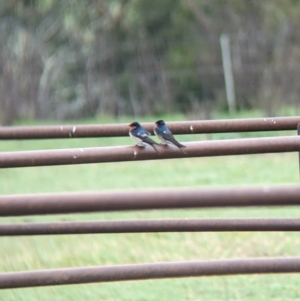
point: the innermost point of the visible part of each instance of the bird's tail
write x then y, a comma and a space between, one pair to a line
154, 147
181, 148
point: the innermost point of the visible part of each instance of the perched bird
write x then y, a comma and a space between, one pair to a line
141, 136
165, 135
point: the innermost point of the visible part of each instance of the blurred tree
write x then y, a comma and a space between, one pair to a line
73, 58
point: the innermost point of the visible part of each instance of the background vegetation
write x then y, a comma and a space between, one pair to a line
73, 58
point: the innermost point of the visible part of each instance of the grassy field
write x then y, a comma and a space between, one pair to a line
26, 253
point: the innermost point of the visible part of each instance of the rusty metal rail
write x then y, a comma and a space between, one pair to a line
149, 271
182, 127
143, 226
135, 153
16, 205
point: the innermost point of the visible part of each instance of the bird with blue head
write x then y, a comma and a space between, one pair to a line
165, 135
141, 136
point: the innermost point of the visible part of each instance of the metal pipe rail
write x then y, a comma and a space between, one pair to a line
149, 271
31, 204
181, 127
150, 226
135, 153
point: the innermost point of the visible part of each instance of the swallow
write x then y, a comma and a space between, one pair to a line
166, 136
141, 136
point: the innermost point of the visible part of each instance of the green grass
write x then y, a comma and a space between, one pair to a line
26, 253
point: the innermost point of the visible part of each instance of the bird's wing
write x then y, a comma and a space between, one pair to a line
162, 130
143, 136
170, 138
148, 140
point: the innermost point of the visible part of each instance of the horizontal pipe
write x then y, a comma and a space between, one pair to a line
149, 271
136, 153
143, 226
179, 127
16, 205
